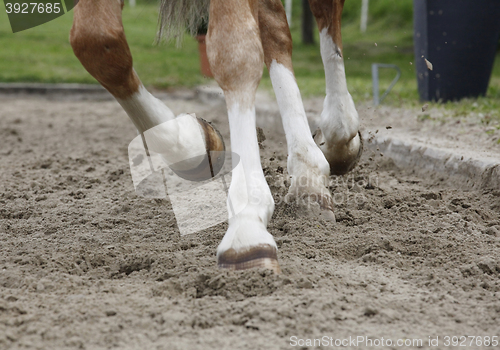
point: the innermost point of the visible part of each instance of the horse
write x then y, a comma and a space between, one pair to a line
242, 36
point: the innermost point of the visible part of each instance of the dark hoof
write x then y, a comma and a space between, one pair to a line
261, 256
210, 163
339, 165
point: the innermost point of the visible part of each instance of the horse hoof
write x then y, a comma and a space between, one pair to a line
314, 206
341, 159
261, 256
210, 163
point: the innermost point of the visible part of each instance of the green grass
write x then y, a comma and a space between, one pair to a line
43, 54
360, 51
390, 25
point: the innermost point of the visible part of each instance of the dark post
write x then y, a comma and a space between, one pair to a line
459, 38
307, 23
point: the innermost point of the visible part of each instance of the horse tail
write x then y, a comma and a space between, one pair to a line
180, 16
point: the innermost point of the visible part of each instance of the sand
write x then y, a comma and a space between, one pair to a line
85, 263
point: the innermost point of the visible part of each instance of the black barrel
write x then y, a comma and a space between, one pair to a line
459, 38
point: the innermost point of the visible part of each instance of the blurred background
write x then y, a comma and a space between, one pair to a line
43, 54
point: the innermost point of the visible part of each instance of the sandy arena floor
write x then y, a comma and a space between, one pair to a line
85, 263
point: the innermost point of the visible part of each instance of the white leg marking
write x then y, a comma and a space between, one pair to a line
339, 119
177, 139
145, 110
306, 163
249, 193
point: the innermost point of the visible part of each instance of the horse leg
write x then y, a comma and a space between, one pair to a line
236, 58
339, 136
99, 42
307, 165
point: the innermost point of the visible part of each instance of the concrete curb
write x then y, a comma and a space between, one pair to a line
207, 93
465, 168
43, 89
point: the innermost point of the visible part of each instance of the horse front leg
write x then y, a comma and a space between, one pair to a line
236, 57
307, 166
99, 42
338, 136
